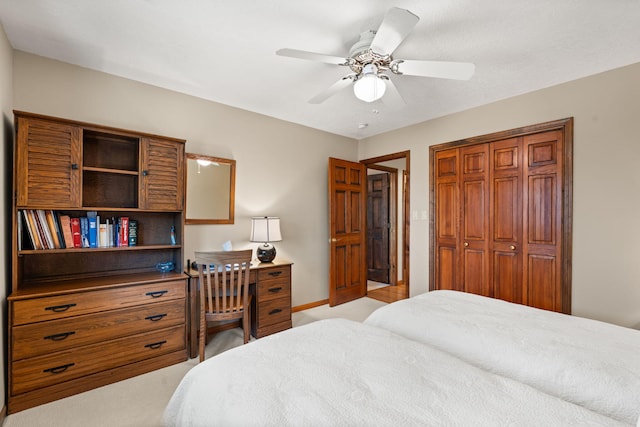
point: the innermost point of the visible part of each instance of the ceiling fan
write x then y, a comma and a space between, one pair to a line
370, 61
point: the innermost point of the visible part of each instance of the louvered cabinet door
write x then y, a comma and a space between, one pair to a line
162, 185
47, 165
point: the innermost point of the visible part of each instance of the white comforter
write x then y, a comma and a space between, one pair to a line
338, 372
591, 363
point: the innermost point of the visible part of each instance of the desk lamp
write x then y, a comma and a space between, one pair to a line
265, 229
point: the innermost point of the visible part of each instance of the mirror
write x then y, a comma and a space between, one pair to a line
210, 197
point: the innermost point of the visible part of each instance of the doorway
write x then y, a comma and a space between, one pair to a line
388, 226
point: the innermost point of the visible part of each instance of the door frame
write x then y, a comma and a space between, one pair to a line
370, 163
563, 125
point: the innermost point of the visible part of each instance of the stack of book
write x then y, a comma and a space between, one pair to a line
48, 229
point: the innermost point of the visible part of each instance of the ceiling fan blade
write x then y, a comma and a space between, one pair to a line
439, 69
332, 90
312, 56
392, 97
395, 27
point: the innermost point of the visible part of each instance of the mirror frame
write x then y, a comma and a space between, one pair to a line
232, 189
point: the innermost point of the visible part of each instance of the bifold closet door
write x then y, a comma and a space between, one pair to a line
498, 219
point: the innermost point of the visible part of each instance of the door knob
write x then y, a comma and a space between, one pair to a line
333, 240
466, 244
512, 247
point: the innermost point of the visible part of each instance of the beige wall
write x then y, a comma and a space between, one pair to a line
6, 136
606, 226
281, 167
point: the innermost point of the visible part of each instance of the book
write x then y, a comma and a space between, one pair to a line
30, 231
92, 220
53, 229
133, 232
41, 226
84, 231
103, 237
76, 232
65, 226
124, 231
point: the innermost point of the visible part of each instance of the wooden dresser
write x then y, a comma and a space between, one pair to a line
83, 317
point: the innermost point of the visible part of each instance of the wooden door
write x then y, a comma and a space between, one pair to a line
347, 229
501, 215
543, 221
48, 164
162, 185
474, 202
506, 219
447, 220
378, 227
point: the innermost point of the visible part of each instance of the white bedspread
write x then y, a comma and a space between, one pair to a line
338, 372
591, 363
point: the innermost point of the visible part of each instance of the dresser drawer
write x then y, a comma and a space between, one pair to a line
48, 337
42, 371
62, 306
274, 273
274, 311
273, 289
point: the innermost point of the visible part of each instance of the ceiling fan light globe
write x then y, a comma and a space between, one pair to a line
369, 88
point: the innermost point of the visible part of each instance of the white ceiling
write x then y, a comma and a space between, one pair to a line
224, 51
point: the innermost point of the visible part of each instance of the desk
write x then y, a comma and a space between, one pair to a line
270, 285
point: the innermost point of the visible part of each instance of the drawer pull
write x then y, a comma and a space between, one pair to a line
58, 337
275, 311
59, 369
275, 273
274, 290
156, 294
156, 345
155, 317
60, 308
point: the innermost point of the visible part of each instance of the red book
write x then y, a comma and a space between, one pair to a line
124, 231
75, 232
65, 224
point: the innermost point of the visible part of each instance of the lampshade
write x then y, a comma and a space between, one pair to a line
369, 87
265, 229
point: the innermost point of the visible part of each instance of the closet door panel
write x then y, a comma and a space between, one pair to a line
475, 219
447, 218
506, 219
543, 220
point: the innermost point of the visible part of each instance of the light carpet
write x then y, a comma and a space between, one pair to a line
140, 401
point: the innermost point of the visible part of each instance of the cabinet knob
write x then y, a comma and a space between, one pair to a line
74, 166
466, 244
145, 172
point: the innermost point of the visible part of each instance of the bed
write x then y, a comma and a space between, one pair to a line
590, 363
338, 372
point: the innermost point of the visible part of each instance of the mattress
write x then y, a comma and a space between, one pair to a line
587, 362
338, 372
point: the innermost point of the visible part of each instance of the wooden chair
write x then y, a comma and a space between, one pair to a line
224, 290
